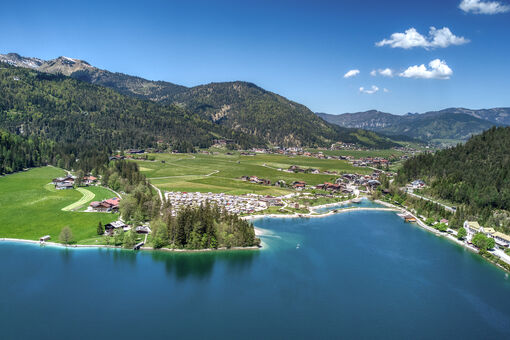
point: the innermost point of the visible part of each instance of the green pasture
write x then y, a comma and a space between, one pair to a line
222, 172
31, 207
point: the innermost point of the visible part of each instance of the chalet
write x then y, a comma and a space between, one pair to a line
108, 205
418, 184
100, 206
68, 179
295, 168
502, 240
444, 221
312, 171
88, 180
64, 185
143, 229
110, 227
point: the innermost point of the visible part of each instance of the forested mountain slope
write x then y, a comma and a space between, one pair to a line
237, 106
66, 110
476, 174
454, 124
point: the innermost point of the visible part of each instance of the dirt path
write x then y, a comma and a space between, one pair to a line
87, 196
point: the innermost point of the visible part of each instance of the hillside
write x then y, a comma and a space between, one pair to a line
476, 174
66, 110
82, 70
435, 126
239, 107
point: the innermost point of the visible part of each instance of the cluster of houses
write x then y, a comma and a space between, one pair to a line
68, 182
234, 204
348, 182
109, 205
417, 184
370, 161
472, 228
298, 169
110, 228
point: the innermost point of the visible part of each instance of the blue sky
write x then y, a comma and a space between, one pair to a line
299, 49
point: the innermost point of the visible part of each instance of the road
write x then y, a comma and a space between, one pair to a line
433, 201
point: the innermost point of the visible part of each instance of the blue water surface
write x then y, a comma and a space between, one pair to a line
363, 274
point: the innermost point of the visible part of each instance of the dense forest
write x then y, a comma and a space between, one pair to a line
248, 108
18, 153
241, 111
66, 110
205, 226
475, 174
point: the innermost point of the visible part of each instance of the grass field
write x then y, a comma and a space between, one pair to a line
31, 207
222, 172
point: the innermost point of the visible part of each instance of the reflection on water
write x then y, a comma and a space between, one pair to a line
201, 265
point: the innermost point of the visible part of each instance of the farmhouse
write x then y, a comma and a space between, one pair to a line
143, 229
108, 205
299, 185
64, 185
110, 227
88, 180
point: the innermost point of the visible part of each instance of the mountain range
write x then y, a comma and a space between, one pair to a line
454, 124
234, 110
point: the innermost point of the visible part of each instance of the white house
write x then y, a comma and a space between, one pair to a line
472, 227
502, 240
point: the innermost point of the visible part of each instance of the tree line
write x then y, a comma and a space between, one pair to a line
474, 175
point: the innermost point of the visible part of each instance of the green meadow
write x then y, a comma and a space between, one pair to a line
222, 172
31, 207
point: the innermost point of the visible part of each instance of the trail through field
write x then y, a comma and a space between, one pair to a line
87, 196
210, 174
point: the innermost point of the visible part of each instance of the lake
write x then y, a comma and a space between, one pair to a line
364, 203
362, 274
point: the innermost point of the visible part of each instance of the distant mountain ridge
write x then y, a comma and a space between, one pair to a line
242, 107
447, 124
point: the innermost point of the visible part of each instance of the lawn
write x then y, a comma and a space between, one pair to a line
31, 208
222, 172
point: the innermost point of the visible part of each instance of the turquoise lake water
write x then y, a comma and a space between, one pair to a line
365, 203
363, 274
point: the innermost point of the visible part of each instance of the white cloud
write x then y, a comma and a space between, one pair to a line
483, 7
412, 38
351, 73
386, 90
387, 72
437, 70
371, 90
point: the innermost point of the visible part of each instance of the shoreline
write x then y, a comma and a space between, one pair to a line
261, 232
104, 246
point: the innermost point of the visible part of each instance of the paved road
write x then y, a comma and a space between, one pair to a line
431, 200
